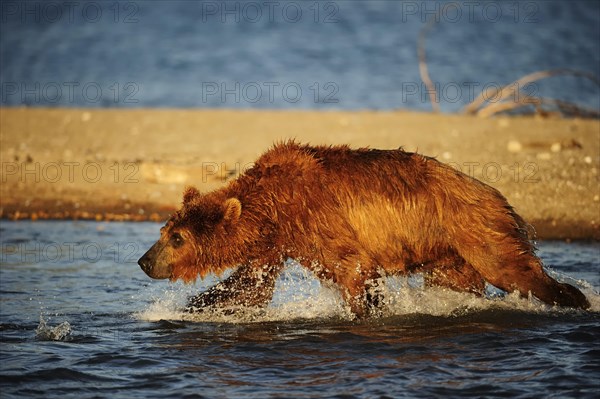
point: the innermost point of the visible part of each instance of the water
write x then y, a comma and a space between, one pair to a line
78, 318
289, 54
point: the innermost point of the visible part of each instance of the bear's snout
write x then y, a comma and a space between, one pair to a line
152, 264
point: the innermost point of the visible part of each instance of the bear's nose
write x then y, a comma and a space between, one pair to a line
145, 264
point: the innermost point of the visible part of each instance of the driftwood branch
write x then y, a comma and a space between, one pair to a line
509, 97
423, 70
564, 106
513, 89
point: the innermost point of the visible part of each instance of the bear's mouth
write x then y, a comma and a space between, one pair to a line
162, 273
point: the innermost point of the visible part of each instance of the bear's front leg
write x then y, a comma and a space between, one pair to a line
248, 286
365, 297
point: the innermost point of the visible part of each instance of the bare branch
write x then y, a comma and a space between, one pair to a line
513, 88
564, 106
423, 70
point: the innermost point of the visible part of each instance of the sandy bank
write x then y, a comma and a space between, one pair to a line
133, 164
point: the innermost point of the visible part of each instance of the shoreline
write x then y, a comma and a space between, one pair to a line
133, 164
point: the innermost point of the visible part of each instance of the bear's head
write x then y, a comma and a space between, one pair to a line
198, 239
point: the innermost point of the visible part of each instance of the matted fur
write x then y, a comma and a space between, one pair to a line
352, 216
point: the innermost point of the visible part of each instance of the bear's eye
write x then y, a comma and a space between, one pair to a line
176, 240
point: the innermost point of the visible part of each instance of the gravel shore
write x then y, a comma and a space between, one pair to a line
133, 164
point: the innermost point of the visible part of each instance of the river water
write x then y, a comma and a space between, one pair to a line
291, 53
79, 318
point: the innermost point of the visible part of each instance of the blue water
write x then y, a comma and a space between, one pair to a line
78, 318
289, 54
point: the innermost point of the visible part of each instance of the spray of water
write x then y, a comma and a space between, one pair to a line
300, 295
44, 332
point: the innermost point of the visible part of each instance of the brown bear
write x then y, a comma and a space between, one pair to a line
352, 217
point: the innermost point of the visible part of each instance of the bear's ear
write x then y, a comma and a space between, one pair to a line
189, 194
233, 210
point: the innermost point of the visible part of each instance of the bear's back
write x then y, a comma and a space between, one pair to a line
337, 159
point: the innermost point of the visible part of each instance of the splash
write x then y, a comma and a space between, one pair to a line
300, 295
592, 296
61, 332
167, 306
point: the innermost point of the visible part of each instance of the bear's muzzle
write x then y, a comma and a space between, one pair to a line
152, 265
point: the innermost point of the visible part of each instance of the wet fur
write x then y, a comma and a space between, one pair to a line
353, 216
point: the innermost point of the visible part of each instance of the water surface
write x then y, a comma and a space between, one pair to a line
78, 318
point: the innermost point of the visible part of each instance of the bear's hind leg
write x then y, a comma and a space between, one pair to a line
248, 286
454, 273
511, 265
535, 280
